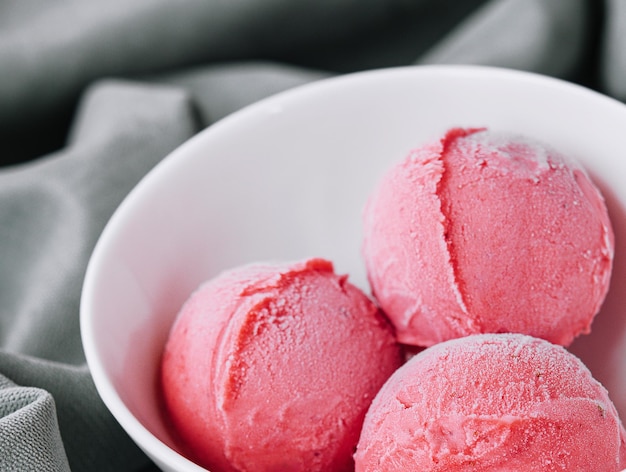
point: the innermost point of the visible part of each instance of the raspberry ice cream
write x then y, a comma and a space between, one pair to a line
272, 367
492, 402
487, 232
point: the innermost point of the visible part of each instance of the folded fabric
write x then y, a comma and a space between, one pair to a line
94, 94
29, 436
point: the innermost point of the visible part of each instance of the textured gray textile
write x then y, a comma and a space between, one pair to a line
94, 94
29, 434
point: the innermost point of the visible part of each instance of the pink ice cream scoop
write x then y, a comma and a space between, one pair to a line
272, 367
487, 232
492, 402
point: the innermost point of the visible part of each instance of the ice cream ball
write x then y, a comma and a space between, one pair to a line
492, 402
272, 367
487, 232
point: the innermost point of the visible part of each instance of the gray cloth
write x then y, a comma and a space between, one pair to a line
94, 94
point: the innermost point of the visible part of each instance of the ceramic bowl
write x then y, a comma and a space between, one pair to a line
286, 178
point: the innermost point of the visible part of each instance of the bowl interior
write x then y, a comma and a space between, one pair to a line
287, 178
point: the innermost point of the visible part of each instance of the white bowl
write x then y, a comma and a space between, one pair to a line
286, 178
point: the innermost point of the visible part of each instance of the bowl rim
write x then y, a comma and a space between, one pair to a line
147, 441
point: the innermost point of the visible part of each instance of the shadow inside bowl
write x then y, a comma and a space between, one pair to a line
604, 350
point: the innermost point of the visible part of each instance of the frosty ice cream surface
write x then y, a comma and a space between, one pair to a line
272, 367
496, 402
486, 232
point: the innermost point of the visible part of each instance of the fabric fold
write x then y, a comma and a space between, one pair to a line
544, 36
613, 57
29, 433
84, 430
